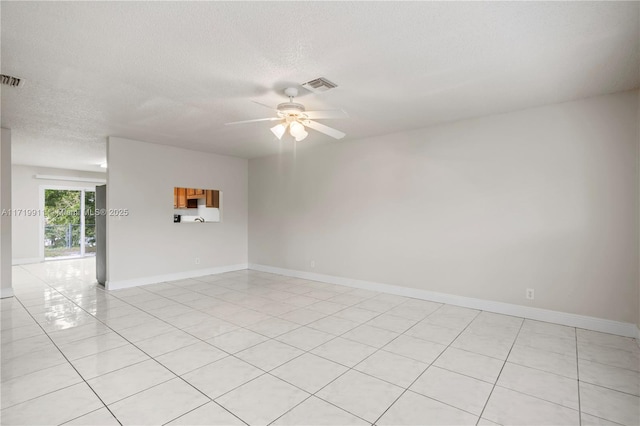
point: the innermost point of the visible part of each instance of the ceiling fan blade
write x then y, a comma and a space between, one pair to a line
266, 106
252, 121
319, 115
324, 129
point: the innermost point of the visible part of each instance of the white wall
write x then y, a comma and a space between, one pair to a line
544, 198
26, 195
146, 246
5, 219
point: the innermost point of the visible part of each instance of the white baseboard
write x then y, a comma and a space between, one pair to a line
6, 292
135, 282
26, 261
557, 317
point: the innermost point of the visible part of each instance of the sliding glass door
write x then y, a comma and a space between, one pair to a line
69, 223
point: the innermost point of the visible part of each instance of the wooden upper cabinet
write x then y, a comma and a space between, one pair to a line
194, 193
187, 198
181, 198
181, 201
212, 198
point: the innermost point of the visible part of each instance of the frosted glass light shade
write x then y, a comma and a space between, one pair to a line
279, 130
302, 136
296, 129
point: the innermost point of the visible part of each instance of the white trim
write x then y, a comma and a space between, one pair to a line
135, 282
70, 178
89, 188
6, 292
26, 261
547, 315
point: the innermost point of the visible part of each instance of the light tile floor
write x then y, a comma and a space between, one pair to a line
256, 348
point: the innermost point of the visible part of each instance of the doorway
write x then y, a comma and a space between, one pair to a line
68, 229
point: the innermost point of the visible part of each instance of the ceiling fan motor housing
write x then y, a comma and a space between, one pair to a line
290, 108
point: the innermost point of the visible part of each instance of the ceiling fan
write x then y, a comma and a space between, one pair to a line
294, 116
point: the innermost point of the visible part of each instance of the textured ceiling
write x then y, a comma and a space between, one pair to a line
175, 72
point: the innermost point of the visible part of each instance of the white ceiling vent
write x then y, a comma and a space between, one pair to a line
8, 80
319, 85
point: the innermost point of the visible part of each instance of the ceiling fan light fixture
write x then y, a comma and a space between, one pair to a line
294, 116
296, 129
301, 136
279, 130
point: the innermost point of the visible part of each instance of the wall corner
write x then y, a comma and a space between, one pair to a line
5, 215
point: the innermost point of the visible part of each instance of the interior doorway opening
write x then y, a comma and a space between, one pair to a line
68, 225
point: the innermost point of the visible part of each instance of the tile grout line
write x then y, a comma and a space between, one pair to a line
382, 349
612, 366
168, 319
268, 372
77, 372
348, 368
233, 354
200, 406
608, 388
579, 410
230, 354
133, 344
500, 373
429, 366
49, 393
86, 414
578, 379
548, 372
158, 362
177, 376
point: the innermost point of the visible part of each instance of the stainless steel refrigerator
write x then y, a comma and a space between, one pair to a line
101, 234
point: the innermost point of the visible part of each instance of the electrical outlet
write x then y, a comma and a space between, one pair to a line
197, 260
313, 263
530, 294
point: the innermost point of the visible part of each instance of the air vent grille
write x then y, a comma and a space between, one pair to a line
319, 85
8, 80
